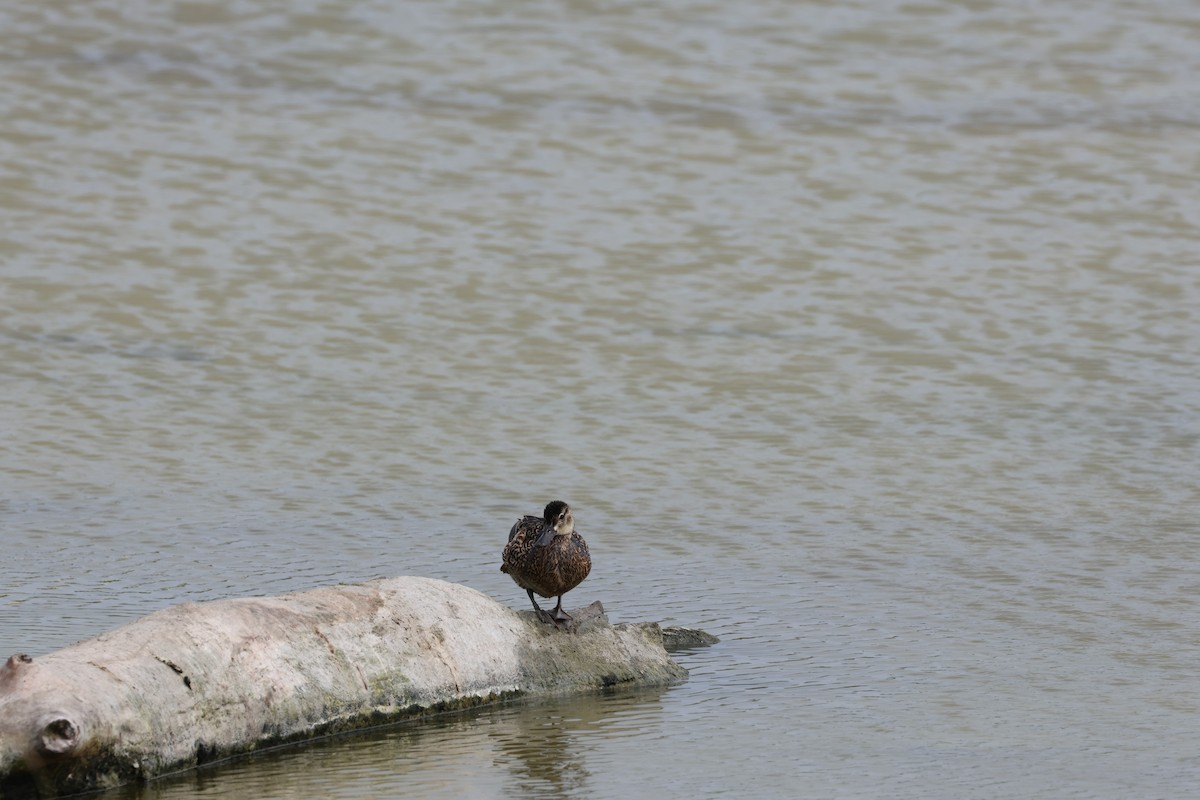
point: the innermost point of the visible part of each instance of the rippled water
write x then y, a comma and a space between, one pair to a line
862, 335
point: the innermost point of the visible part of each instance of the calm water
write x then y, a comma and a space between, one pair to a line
863, 335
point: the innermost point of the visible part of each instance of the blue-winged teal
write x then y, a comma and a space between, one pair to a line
546, 555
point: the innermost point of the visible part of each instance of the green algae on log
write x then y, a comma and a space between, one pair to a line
204, 681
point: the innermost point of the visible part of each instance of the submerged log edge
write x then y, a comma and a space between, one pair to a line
201, 682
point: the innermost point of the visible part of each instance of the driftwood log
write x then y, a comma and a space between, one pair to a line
205, 681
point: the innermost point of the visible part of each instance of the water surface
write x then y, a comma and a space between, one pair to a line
862, 335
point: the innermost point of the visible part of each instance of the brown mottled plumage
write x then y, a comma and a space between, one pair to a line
547, 556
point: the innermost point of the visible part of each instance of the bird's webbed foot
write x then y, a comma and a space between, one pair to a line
562, 618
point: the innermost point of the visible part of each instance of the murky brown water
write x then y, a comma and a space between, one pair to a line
862, 335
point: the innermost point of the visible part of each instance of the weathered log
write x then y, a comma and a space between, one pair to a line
199, 682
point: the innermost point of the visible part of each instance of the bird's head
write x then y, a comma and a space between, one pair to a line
558, 516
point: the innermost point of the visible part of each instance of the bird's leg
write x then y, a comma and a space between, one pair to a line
559, 614
542, 613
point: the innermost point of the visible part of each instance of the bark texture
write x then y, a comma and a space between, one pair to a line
198, 682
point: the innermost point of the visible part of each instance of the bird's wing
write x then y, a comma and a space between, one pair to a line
524, 522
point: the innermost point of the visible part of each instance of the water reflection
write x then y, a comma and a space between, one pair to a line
538, 750
541, 753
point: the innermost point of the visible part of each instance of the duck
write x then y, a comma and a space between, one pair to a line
547, 555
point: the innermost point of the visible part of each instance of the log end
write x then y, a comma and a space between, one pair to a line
676, 639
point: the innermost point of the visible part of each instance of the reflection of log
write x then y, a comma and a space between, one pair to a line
202, 681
